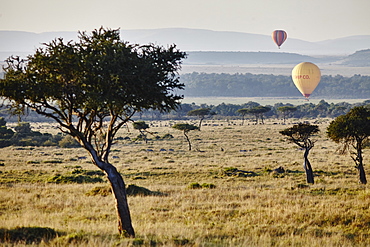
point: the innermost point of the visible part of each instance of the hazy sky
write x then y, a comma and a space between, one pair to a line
310, 20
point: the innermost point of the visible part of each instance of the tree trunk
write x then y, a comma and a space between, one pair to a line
308, 168
120, 196
187, 138
200, 123
362, 174
359, 164
119, 192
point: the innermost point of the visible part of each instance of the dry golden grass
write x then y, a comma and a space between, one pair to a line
262, 208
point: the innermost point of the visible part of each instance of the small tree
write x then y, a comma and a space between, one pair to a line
23, 129
92, 88
185, 128
257, 111
141, 126
352, 130
201, 114
243, 112
300, 135
286, 110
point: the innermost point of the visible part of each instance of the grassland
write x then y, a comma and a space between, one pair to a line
223, 193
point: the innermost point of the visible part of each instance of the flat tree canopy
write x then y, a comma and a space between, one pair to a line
91, 88
201, 113
300, 134
185, 128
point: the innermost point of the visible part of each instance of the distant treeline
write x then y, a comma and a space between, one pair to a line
251, 85
308, 110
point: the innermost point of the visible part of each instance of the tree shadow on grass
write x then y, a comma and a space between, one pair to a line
131, 190
27, 235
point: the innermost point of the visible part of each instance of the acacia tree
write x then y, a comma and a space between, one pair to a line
201, 114
141, 126
257, 111
185, 128
286, 110
243, 112
300, 135
352, 129
92, 88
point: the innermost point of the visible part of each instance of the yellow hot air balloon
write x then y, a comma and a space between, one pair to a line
306, 76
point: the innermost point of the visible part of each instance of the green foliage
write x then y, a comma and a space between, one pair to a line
140, 125
257, 111
185, 127
27, 235
201, 113
287, 108
351, 127
300, 134
195, 185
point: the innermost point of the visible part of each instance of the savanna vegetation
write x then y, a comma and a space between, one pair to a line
234, 184
242, 185
281, 111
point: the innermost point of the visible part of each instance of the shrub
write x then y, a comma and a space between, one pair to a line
208, 186
134, 190
201, 186
68, 142
195, 186
100, 190
167, 136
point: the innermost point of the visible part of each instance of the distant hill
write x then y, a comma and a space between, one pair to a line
215, 47
223, 58
359, 58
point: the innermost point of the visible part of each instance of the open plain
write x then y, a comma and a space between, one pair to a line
225, 192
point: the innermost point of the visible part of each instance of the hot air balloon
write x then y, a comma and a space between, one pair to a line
306, 76
279, 36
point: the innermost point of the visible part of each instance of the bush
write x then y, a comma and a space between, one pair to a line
134, 190
201, 186
167, 136
195, 186
68, 142
100, 190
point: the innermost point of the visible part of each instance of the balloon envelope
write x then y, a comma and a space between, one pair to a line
306, 76
279, 36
